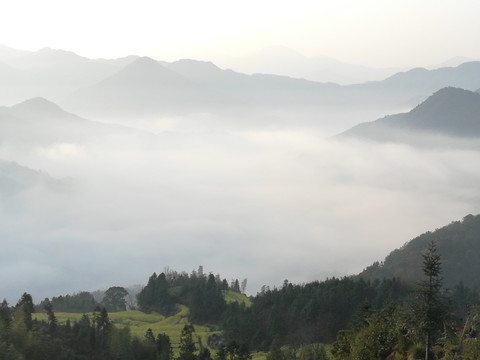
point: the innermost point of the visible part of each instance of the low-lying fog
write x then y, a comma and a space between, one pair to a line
264, 204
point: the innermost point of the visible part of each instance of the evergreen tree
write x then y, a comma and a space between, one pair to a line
149, 337
52, 320
164, 347
204, 354
431, 310
26, 303
187, 345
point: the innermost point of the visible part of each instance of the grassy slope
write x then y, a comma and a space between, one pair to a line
231, 296
140, 322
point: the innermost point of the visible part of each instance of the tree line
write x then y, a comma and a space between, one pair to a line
427, 326
363, 319
94, 337
203, 294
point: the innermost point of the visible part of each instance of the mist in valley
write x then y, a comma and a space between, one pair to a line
253, 140
262, 201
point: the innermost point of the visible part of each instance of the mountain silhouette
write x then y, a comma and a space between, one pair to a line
458, 243
15, 178
39, 121
450, 111
39, 107
134, 87
143, 87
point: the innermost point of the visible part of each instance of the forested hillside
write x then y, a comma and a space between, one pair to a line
459, 244
450, 111
201, 293
406, 287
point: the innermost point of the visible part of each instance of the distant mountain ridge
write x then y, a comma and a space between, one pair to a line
15, 178
283, 61
142, 87
192, 86
42, 107
39, 121
458, 243
449, 111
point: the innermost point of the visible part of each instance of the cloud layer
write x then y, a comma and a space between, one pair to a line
266, 205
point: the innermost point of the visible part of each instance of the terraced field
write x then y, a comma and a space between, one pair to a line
140, 322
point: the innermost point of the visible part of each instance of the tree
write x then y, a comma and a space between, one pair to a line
149, 337
102, 328
275, 352
52, 320
164, 347
187, 345
204, 354
26, 303
236, 351
235, 286
5, 320
114, 299
431, 310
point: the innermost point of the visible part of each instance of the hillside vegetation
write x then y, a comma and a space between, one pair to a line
139, 322
450, 111
397, 307
459, 244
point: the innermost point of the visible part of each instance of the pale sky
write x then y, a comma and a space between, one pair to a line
234, 193
373, 32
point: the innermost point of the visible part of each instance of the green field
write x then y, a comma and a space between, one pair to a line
140, 322
232, 296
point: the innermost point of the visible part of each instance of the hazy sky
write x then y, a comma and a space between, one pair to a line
371, 32
262, 203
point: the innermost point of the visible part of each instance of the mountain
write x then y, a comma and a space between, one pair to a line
411, 87
195, 69
40, 107
143, 87
133, 88
150, 88
15, 178
283, 61
458, 243
10, 54
452, 62
38, 121
450, 112
464, 76
51, 73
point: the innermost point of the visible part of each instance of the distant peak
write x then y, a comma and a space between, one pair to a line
144, 63
146, 68
193, 61
450, 110
145, 60
37, 101
447, 96
45, 49
47, 55
39, 105
48, 50
194, 68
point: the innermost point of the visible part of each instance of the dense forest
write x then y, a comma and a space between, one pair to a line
93, 337
459, 244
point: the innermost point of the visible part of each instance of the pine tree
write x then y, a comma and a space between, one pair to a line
164, 347
187, 345
431, 309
